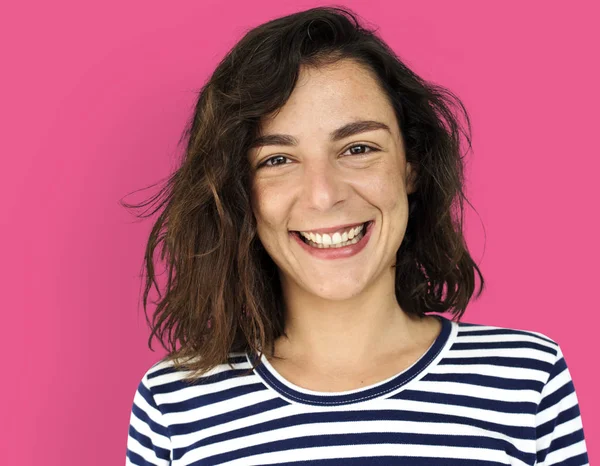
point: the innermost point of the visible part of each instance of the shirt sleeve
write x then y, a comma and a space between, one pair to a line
559, 429
148, 440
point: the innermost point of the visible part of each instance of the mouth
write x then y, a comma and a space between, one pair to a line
339, 239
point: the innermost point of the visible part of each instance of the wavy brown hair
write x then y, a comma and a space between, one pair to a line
222, 291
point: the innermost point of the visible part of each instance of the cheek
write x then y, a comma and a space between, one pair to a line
269, 210
385, 188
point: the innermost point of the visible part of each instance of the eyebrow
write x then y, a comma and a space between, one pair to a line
345, 131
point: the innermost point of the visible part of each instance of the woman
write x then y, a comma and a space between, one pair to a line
311, 230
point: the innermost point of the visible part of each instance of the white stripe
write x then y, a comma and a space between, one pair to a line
557, 382
504, 338
151, 411
503, 353
551, 412
332, 428
478, 391
134, 446
358, 451
560, 430
558, 456
143, 428
191, 391
218, 408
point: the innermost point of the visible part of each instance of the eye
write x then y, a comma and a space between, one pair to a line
371, 149
273, 161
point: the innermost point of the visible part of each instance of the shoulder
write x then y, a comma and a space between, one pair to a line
482, 332
165, 382
510, 350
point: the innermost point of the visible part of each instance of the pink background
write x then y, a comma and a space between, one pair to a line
95, 97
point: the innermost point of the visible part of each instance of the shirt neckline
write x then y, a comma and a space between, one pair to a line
296, 394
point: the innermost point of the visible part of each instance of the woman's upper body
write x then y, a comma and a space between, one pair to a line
316, 222
478, 395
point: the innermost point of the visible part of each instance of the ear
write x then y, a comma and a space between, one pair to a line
411, 179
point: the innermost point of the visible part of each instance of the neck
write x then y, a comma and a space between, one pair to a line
328, 335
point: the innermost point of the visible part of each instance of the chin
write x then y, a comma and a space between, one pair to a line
335, 291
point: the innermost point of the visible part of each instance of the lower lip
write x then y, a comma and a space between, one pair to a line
337, 253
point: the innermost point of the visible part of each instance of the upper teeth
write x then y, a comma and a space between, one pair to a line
336, 238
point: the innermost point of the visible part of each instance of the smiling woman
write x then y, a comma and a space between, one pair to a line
311, 233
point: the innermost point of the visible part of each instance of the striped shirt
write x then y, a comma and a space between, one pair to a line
480, 395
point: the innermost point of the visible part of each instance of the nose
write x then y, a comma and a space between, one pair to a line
323, 185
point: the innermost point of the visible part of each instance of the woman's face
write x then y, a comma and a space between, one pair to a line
321, 177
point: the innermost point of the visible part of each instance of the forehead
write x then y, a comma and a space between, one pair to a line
328, 97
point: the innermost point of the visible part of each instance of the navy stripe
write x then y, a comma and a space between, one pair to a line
134, 458
503, 345
561, 442
524, 363
143, 416
147, 442
209, 379
230, 416
564, 416
211, 398
486, 381
506, 407
354, 416
367, 438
